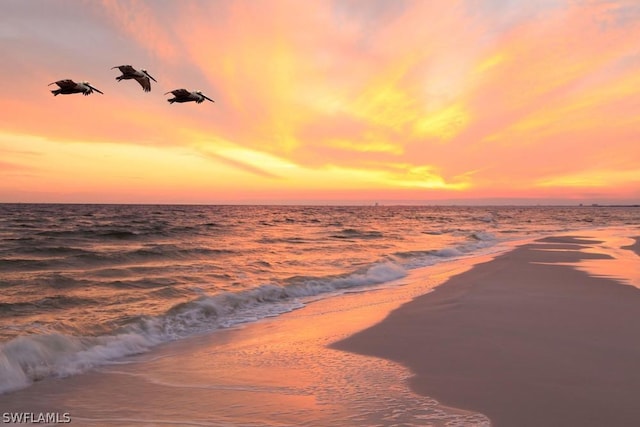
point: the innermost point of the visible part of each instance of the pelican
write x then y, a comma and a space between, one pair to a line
142, 77
68, 86
183, 95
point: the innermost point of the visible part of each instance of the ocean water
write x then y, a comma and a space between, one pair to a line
86, 285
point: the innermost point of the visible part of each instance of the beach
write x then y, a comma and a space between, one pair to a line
320, 213
525, 339
533, 332
277, 372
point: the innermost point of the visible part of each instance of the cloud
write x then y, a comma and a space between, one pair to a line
311, 90
594, 179
247, 167
10, 166
147, 24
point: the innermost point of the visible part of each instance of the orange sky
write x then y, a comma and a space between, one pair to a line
340, 101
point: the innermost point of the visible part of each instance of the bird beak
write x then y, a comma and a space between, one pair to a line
97, 90
149, 75
206, 97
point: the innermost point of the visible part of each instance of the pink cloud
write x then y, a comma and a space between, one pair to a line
508, 93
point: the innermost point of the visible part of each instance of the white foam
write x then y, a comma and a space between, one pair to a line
447, 252
484, 236
30, 358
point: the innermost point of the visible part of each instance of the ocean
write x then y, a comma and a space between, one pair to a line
85, 286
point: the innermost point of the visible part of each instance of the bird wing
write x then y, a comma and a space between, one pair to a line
65, 84
126, 69
144, 82
181, 93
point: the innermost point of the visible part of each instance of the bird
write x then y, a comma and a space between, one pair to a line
183, 95
142, 76
68, 86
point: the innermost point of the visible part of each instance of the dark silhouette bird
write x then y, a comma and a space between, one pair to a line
183, 95
142, 77
68, 86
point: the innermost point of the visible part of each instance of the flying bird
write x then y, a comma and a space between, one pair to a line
68, 86
142, 77
183, 95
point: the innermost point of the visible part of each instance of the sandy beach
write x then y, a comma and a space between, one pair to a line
525, 339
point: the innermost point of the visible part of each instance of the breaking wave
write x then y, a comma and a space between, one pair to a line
30, 358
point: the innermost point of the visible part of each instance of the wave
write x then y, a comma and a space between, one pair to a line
126, 229
91, 233
291, 240
71, 258
352, 233
22, 264
146, 283
46, 303
26, 359
58, 280
476, 241
50, 251
131, 264
483, 236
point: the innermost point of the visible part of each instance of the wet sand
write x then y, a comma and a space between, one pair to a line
525, 339
635, 247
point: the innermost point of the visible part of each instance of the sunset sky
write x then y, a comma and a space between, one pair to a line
470, 101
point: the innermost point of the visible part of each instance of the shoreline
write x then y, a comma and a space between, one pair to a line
288, 370
634, 247
524, 338
276, 371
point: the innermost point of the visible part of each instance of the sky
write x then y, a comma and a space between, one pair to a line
332, 101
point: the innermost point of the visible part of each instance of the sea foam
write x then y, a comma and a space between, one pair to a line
30, 358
